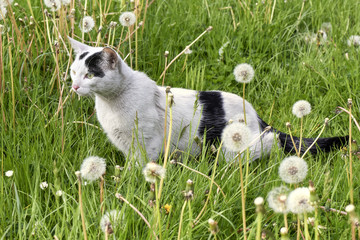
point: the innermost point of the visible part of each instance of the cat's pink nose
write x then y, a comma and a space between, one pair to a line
75, 87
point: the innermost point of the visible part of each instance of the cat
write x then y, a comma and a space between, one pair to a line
123, 95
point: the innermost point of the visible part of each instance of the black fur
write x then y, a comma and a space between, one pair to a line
213, 115
83, 55
322, 144
93, 63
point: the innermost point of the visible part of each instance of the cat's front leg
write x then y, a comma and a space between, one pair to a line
153, 147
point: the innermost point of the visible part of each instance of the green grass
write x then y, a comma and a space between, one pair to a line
41, 146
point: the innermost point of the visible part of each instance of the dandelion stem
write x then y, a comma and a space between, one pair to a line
202, 174
162, 84
298, 228
12, 83
317, 138
244, 103
272, 11
181, 219
242, 198
350, 155
292, 139
165, 117
258, 225
211, 183
120, 197
144, 19
247, 169
82, 209
83, 23
316, 224
302, 9
301, 130
167, 150
157, 202
130, 49
102, 194
129, 35
353, 118
286, 221
182, 52
333, 210
307, 235
353, 231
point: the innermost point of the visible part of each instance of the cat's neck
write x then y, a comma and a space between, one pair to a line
135, 86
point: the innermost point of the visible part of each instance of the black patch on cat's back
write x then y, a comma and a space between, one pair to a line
213, 115
83, 55
93, 63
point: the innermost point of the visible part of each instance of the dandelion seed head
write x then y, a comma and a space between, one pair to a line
109, 221
353, 40
2, 28
326, 27
301, 108
322, 37
112, 24
3, 12
283, 231
298, 201
54, 5
244, 73
350, 208
5, 3
87, 24
277, 199
214, 228
65, 2
188, 51
127, 19
44, 185
236, 136
293, 169
59, 193
238, 118
211, 221
259, 201
9, 173
153, 171
310, 38
221, 50
93, 168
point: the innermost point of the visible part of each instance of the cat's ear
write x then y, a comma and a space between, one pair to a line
111, 57
78, 46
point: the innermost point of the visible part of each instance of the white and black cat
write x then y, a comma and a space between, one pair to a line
122, 95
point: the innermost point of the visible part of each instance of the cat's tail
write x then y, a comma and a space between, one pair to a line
322, 144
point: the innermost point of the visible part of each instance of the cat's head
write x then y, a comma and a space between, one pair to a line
97, 70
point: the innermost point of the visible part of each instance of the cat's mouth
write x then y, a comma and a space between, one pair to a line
81, 91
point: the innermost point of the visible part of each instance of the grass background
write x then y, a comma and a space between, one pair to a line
287, 69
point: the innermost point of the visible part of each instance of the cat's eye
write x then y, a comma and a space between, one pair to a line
89, 75
73, 72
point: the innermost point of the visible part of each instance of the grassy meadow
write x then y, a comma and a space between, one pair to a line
47, 130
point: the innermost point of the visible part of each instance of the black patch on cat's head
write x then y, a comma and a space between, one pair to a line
94, 64
83, 55
213, 115
100, 61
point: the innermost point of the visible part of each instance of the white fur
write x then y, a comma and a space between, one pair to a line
124, 95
